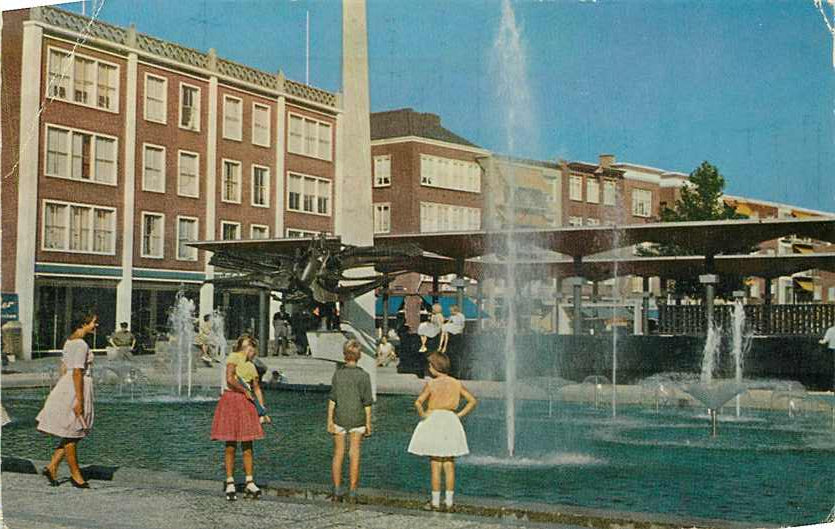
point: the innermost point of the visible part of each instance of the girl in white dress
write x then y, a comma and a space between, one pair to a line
431, 328
439, 435
68, 411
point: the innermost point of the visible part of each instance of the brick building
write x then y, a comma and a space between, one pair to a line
121, 148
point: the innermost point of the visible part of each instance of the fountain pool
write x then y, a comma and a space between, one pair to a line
767, 468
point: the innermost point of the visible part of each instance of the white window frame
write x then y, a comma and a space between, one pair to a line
575, 221
196, 107
636, 201
223, 197
93, 137
196, 155
592, 221
382, 223
253, 227
230, 223
69, 78
267, 186
382, 180
227, 134
267, 127
316, 195
610, 199
294, 233
575, 188
436, 217
142, 252
196, 221
66, 243
145, 187
164, 119
450, 173
592, 190
316, 125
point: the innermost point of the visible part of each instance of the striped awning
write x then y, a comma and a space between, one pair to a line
804, 284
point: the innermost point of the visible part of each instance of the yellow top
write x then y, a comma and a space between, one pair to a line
243, 367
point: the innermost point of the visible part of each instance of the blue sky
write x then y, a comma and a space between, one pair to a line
746, 85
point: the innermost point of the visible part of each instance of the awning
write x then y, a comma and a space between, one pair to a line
395, 302
469, 309
806, 284
802, 248
803, 215
743, 209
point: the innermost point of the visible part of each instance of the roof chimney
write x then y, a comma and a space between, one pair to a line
606, 160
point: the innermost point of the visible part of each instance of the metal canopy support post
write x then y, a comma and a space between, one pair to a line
435, 288
577, 284
479, 301
385, 326
645, 307
709, 281
766, 324
460, 283
263, 321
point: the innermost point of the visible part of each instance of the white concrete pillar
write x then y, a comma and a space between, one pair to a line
27, 184
207, 290
124, 289
354, 163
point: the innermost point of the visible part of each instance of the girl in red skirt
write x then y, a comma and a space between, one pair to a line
236, 417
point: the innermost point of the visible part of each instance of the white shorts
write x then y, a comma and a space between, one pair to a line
341, 431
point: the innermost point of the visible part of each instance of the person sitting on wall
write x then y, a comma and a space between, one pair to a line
454, 325
123, 337
829, 338
204, 339
385, 352
431, 328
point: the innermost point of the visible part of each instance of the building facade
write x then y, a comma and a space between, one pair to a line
121, 148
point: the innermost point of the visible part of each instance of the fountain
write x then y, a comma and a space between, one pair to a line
181, 324
217, 339
741, 339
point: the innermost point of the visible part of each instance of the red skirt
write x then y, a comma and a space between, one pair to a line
236, 419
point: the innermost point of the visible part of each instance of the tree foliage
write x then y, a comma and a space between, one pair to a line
700, 200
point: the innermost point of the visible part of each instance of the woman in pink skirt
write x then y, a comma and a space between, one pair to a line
68, 411
236, 416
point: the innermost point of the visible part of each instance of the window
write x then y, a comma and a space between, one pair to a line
186, 232
444, 217
232, 118
59, 74
153, 168
575, 221
79, 228
300, 234
155, 99
446, 173
592, 191
94, 83
591, 221
382, 218
153, 235
575, 189
309, 194
260, 125
189, 107
310, 137
260, 186
609, 192
80, 155
231, 181
188, 174
382, 171
641, 202
230, 231
259, 231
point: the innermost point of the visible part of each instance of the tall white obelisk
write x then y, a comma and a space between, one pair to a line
354, 220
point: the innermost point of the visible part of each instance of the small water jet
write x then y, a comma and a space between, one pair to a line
181, 325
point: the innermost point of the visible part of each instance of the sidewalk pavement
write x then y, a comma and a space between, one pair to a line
149, 500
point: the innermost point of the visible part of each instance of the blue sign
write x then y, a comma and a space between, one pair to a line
10, 310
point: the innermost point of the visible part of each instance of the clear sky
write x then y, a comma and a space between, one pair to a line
747, 85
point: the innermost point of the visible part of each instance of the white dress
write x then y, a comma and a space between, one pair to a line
431, 328
57, 416
455, 325
440, 434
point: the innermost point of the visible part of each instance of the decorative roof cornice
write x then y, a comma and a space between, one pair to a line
207, 63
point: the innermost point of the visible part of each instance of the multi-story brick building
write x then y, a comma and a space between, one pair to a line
120, 148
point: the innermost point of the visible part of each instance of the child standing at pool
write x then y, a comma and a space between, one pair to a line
349, 414
439, 434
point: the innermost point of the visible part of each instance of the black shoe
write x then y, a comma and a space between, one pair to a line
49, 477
253, 492
229, 487
82, 485
429, 507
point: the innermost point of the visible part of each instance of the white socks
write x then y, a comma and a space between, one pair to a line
448, 499
250, 485
436, 498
